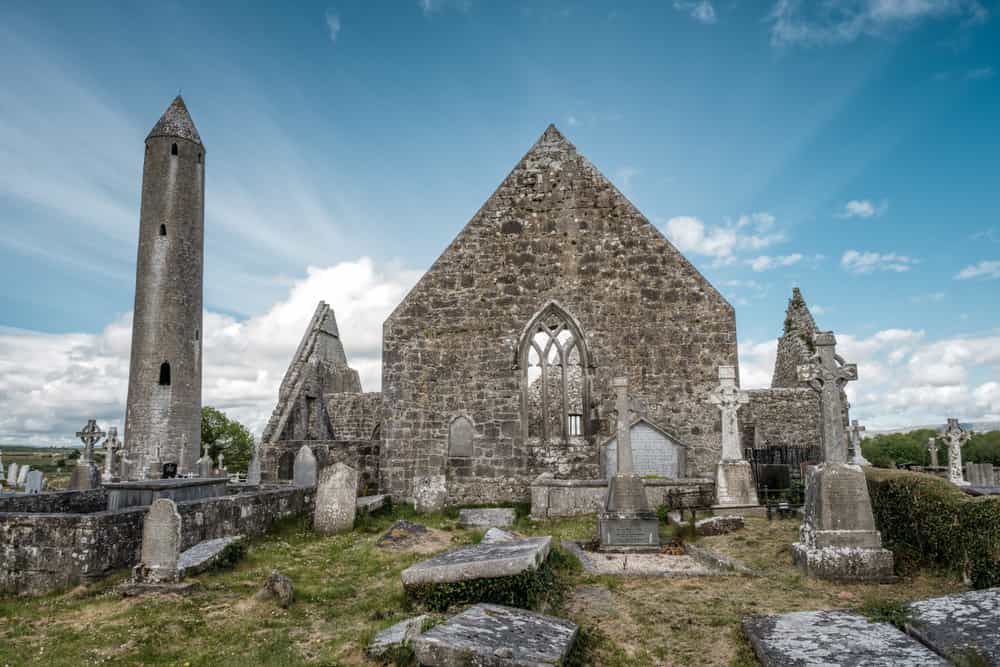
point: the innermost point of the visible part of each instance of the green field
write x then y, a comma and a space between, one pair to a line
56, 462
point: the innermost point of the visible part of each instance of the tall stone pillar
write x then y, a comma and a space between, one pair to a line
838, 539
735, 490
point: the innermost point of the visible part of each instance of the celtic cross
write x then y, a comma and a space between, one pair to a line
857, 458
827, 373
90, 435
956, 437
729, 398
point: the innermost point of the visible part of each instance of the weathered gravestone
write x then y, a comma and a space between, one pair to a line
956, 437
734, 485
430, 492
34, 482
838, 539
932, 447
460, 433
336, 499
253, 470
964, 627
857, 457
304, 470
12, 474
980, 474
22, 474
111, 446
161, 543
85, 475
626, 521
204, 464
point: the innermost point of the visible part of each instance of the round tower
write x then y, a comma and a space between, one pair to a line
163, 415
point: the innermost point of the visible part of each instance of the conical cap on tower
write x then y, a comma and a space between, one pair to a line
176, 122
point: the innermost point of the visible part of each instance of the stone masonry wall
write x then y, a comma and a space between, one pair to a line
75, 502
555, 231
782, 417
362, 455
40, 553
354, 416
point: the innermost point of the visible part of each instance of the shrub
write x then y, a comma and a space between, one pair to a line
928, 522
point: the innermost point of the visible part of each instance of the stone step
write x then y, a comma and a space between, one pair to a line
832, 639
965, 628
488, 634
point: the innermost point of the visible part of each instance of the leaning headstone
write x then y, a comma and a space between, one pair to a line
304, 470
22, 474
500, 517
12, 474
336, 499
734, 484
161, 543
430, 492
34, 482
396, 637
833, 638
960, 627
489, 634
956, 437
838, 539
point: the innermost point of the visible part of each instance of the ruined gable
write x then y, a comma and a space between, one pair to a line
557, 245
319, 367
795, 346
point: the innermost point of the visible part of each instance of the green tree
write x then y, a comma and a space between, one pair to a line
982, 448
220, 434
889, 449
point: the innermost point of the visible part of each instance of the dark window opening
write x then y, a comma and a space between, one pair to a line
197, 334
165, 374
173, 149
163, 230
199, 158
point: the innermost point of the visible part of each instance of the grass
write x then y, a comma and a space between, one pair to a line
347, 589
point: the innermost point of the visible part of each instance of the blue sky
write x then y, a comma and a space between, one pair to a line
850, 148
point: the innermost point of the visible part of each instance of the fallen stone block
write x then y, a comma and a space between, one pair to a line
480, 561
370, 504
718, 525
398, 636
965, 628
832, 639
499, 517
277, 587
208, 554
494, 535
492, 635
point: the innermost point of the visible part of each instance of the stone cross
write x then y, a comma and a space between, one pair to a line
111, 445
729, 398
932, 447
956, 437
827, 373
253, 470
857, 457
90, 435
624, 435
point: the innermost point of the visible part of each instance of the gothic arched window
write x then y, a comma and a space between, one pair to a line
553, 359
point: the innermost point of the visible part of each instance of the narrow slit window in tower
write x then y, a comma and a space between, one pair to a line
197, 334
165, 374
163, 230
173, 149
199, 158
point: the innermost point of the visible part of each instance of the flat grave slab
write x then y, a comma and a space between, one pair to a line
832, 638
203, 555
369, 504
642, 564
962, 627
488, 517
493, 635
480, 561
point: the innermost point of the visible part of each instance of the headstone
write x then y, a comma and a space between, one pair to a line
980, 474
34, 483
734, 482
161, 543
489, 634
838, 539
960, 627
460, 433
857, 457
111, 446
487, 517
626, 521
204, 463
205, 555
222, 463
833, 638
22, 474
932, 447
12, 475
430, 492
956, 437
336, 499
90, 435
253, 470
304, 471
369, 504
169, 471
1, 472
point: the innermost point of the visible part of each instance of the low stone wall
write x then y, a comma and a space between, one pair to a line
76, 502
362, 455
43, 552
552, 498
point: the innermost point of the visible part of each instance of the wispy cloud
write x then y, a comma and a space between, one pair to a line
863, 208
859, 262
429, 7
768, 262
989, 269
701, 11
333, 24
722, 242
798, 22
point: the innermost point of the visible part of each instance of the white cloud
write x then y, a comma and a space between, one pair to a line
429, 7
767, 262
722, 242
904, 379
867, 262
51, 384
701, 10
862, 208
984, 269
798, 22
333, 24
